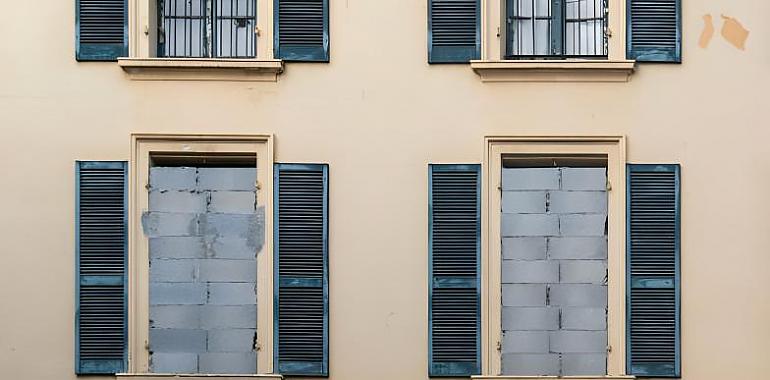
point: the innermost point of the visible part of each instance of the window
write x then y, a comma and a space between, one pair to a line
207, 28
556, 28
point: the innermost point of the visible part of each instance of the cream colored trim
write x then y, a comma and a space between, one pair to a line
143, 30
168, 376
552, 377
201, 69
142, 148
572, 70
614, 148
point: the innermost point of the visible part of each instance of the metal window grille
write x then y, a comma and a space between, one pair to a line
556, 28
207, 28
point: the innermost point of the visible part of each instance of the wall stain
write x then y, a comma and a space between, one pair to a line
734, 32
708, 31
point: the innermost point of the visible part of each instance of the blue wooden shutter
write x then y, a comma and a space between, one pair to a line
454, 244
101, 244
102, 30
454, 31
302, 30
654, 30
302, 281
653, 299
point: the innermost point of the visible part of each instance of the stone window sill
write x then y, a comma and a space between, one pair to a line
171, 376
501, 377
570, 70
202, 69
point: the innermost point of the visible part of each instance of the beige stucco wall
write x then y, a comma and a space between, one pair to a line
378, 114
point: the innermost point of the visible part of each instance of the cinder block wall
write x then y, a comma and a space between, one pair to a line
554, 271
203, 304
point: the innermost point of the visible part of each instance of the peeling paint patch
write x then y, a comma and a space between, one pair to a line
734, 32
708, 31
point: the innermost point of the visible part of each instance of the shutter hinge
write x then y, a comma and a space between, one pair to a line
147, 345
257, 185
609, 185
499, 186
147, 186
609, 348
498, 31
256, 30
499, 346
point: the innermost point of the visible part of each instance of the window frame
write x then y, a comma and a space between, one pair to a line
494, 33
611, 147
143, 18
143, 146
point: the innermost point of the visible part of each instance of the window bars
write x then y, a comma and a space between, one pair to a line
556, 28
207, 28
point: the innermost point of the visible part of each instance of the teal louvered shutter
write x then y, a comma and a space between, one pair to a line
301, 230
654, 30
454, 249
653, 300
454, 31
101, 32
302, 30
101, 246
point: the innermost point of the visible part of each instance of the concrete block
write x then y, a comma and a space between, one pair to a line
530, 364
172, 270
232, 225
525, 342
222, 270
578, 295
583, 224
524, 295
235, 202
226, 293
583, 272
173, 178
231, 340
577, 202
161, 224
524, 248
228, 362
177, 201
227, 179
530, 272
530, 179
529, 225
228, 317
523, 202
565, 341
584, 179
175, 316
177, 340
167, 362
584, 318
177, 293
177, 247
231, 248
577, 247
584, 364
530, 318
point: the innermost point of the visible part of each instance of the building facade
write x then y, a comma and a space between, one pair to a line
384, 189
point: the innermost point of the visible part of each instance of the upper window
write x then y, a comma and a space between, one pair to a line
556, 28
207, 28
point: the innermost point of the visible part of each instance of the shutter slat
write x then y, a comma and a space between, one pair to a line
101, 255
101, 30
302, 31
454, 270
302, 279
654, 30
653, 278
453, 31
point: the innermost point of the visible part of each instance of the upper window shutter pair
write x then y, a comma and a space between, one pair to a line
653, 299
301, 30
654, 30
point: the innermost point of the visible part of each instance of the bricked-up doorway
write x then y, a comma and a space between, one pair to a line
201, 225
554, 266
